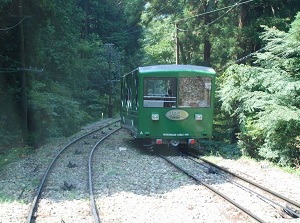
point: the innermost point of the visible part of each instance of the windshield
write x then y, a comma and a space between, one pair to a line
194, 92
162, 92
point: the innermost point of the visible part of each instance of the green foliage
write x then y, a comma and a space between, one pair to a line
216, 38
13, 154
55, 36
158, 49
220, 148
9, 119
265, 98
67, 39
53, 113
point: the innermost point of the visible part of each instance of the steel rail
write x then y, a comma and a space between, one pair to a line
34, 203
214, 190
94, 208
288, 210
247, 180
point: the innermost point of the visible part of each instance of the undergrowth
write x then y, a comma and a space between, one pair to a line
11, 155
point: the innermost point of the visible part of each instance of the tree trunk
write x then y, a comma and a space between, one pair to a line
207, 50
240, 40
86, 19
207, 44
23, 77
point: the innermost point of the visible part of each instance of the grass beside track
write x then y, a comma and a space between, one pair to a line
11, 155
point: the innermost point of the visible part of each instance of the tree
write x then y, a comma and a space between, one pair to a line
266, 98
65, 40
206, 35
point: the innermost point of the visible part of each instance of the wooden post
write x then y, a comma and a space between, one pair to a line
109, 54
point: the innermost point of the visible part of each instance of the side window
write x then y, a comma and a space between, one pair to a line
195, 92
159, 92
123, 88
136, 88
128, 91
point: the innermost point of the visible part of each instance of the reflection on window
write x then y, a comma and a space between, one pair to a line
130, 90
159, 92
194, 92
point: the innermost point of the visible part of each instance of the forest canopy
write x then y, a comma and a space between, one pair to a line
60, 62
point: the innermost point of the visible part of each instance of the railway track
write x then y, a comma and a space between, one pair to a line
290, 206
80, 150
117, 175
205, 172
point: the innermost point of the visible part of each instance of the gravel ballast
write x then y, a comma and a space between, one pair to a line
132, 185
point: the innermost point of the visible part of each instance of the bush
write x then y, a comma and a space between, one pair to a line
53, 113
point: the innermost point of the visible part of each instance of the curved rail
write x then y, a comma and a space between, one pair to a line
43, 180
214, 190
92, 199
288, 210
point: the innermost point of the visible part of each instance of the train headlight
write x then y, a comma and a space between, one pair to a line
155, 117
198, 117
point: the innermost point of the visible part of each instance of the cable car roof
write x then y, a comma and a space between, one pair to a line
174, 67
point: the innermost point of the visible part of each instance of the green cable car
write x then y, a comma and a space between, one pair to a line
168, 104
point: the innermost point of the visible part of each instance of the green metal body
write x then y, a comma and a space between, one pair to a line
176, 122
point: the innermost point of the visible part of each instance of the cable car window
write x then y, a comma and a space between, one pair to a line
195, 92
159, 92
